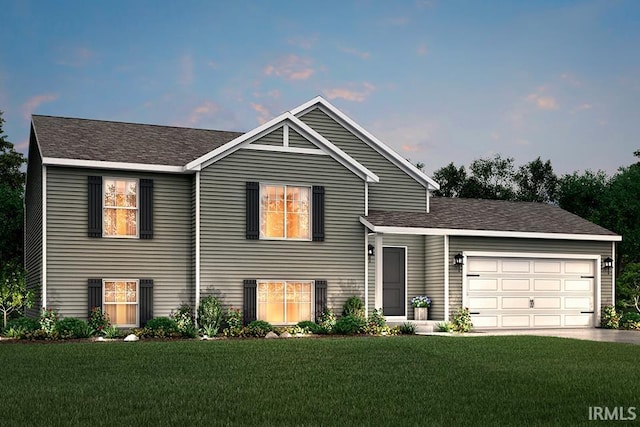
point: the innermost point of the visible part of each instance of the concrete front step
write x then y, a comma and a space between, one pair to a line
422, 326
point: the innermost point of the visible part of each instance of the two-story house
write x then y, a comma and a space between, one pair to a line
300, 213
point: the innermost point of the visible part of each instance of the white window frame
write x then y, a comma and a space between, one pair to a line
137, 208
265, 184
137, 303
312, 302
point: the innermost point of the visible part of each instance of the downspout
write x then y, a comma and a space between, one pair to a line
613, 274
366, 271
44, 237
446, 278
197, 248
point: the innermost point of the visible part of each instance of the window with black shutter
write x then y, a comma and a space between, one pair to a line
249, 305
95, 206
146, 301
321, 298
317, 217
253, 210
146, 209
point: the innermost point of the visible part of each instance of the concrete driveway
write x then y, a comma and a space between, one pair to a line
592, 334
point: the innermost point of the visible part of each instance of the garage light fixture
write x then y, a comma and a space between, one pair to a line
458, 260
607, 264
370, 250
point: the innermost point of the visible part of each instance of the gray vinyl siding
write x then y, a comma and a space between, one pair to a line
274, 138
227, 257
434, 274
298, 141
461, 244
33, 225
73, 258
395, 191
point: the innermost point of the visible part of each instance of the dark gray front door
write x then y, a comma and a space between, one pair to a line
393, 297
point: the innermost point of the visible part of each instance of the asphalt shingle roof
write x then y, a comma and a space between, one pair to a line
494, 215
84, 139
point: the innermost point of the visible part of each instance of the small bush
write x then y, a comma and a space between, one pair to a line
462, 321
161, 327
445, 327
25, 324
326, 321
376, 324
258, 328
610, 318
210, 315
233, 321
630, 320
98, 320
185, 320
309, 327
353, 307
48, 319
350, 325
70, 327
111, 332
407, 328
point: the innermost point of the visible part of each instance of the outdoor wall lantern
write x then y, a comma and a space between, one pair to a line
607, 264
458, 260
370, 250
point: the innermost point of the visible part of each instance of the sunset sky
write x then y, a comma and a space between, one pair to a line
438, 81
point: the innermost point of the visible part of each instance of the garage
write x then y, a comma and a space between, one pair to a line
530, 292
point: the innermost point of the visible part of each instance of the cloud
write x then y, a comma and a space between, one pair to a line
411, 148
76, 57
185, 76
303, 42
22, 146
212, 64
200, 112
543, 102
398, 21
263, 112
354, 52
422, 49
351, 94
571, 79
34, 102
275, 94
291, 67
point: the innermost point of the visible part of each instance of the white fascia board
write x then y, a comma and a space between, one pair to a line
285, 149
232, 145
368, 138
486, 233
342, 157
144, 167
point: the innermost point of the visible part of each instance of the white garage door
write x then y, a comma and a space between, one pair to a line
530, 292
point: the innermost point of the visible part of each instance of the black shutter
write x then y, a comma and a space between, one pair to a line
95, 294
321, 297
95, 206
145, 300
253, 210
146, 209
317, 218
249, 308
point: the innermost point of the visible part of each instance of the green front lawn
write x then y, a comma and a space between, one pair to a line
384, 380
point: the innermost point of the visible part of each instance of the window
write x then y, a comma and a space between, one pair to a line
121, 301
282, 302
284, 212
120, 204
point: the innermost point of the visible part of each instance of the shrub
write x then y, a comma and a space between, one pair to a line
161, 327
210, 315
326, 321
350, 325
630, 320
610, 318
233, 320
376, 324
111, 332
185, 320
445, 327
353, 307
48, 319
98, 320
628, 287
70, 327
23, 323
462, 321
308, 326
258, 328
407, 328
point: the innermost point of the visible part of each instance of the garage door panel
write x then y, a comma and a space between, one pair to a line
516, 266
579, 267
516, 321
547, 320
485, 321
578, 303
576, 320
547, 267
515, 303
483, 303
547, 285
578, 285
516, 284
547, 303
480, 265
476, 284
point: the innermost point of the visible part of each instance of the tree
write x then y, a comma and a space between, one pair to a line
536, 182
583, 194
14, 295
451, 180
628, 287
491, 178
11, 200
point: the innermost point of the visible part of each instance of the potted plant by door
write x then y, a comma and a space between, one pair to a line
421, 306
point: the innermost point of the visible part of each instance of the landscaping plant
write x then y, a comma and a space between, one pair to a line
350, 325
98, 320
630, 320
326, 321
610, 317
353, 307
210, 315
233, 320
48, 319
185, 320
628, 287
407, 328
462, 321
71, 327
258, 328
161, 327
376, 323
14, 296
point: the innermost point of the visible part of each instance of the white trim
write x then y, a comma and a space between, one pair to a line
366, 271
446, 278
428, 199
366, 198
137, 303
144, 167
44, 237
310, 213
378, 253
137, 208
284, 149
486, 233
366, 137
406, 282
613, 274
561, 256
285, 135
197, 249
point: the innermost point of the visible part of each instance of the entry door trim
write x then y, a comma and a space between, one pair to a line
597, 272
406, 281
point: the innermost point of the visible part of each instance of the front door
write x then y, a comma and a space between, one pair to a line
393, 282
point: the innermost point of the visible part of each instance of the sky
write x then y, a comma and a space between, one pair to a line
438, 81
